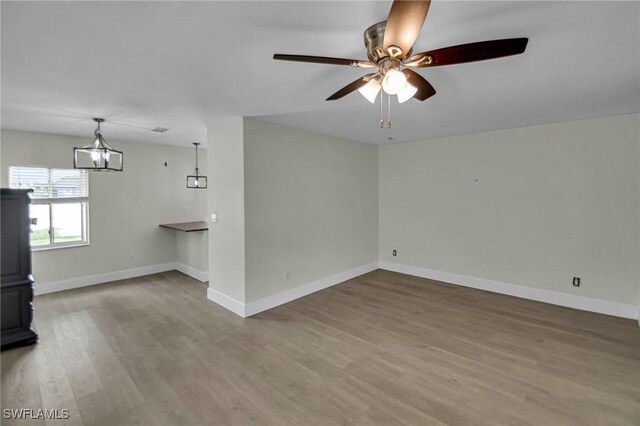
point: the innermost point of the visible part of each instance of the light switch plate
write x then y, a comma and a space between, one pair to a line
213, 218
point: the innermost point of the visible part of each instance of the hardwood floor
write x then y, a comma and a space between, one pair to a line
383, 348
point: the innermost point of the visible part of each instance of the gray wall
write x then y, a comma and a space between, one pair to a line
125, 208
311, 206
225, 155
552, 202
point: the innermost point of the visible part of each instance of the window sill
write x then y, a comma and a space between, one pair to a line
59, 246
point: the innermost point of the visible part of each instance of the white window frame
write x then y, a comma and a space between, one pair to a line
84, 201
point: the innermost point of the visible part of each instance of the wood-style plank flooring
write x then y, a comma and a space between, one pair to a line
383, 348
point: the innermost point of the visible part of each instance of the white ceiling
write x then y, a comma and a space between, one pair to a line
173, 64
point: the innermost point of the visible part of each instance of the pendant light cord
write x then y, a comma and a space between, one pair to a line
196, 158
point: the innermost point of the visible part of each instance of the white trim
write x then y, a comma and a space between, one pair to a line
192, 272
59, 246
269, 302
51, 287
540, 295
286, 296
227, 302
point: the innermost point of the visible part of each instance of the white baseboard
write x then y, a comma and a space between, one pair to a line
540, 295
227, 302
286, 296
51, 287
252, 308
193, 272
269, 302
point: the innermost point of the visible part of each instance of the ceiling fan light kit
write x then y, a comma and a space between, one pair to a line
407, 93
389, 47
370, 90
394, 80
98, 155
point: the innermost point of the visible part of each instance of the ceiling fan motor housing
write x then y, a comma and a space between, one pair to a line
374, 42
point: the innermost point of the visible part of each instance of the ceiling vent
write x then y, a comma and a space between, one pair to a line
159, 129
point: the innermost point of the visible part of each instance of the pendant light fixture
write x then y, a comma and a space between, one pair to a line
196, 180
98, 155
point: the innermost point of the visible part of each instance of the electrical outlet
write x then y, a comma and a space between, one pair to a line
576, 281
395, 252
287, 276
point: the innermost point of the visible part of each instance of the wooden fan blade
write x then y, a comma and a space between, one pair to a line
404, 23
425, 89
324, 60
351, 87
471, 52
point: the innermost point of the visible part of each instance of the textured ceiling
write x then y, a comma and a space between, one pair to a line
173, 64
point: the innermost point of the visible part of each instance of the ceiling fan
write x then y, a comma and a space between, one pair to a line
390, 49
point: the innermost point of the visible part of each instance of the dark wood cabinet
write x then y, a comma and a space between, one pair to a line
16, 282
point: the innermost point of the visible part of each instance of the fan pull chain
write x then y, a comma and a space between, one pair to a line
389, 112
381, 111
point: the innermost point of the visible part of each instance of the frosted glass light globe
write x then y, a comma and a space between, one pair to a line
407, 93
394, 81
370, 90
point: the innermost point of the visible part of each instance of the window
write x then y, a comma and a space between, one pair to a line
59, 205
